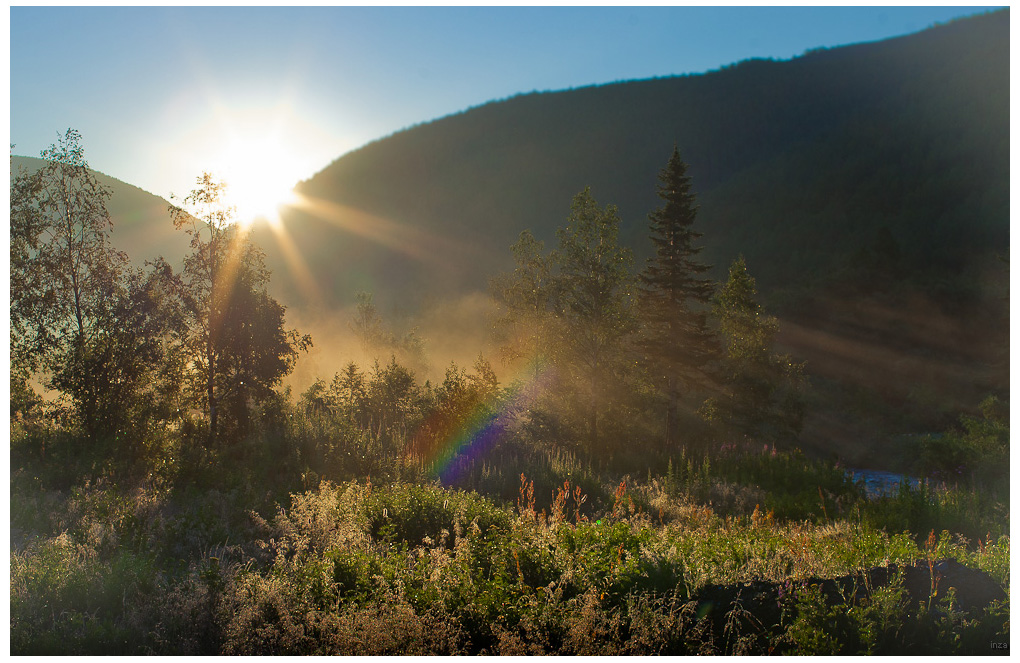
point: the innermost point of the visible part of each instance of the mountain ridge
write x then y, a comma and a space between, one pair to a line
807, 52
447, 174
859, 182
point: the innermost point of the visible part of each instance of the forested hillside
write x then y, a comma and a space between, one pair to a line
866, 187
141, 223
798, 165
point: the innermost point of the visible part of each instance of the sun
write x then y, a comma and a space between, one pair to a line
260, 175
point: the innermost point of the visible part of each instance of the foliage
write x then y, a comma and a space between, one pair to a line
884, 622
378, 341
65, 601
863, 629
524, 297
336, 566
130, 374
867, 187
235, 338
674, 294
976, 454
61, 251
763, 398
69, 282
572, 311
27, 224
484, 531
593, 310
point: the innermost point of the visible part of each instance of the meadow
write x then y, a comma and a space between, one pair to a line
532, 553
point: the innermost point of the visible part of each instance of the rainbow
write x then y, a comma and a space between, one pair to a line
478, 430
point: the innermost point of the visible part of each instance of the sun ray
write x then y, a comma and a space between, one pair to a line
234, 256
396, 236
296, 264
212, 213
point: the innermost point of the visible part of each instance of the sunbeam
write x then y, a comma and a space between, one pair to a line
296, 264
396, 236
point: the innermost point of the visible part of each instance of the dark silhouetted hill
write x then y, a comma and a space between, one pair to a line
895, 151
867, 186
141, 223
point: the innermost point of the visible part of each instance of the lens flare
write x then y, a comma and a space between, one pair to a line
450, 447
260, 174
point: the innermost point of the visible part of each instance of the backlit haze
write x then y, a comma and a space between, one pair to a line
264, 97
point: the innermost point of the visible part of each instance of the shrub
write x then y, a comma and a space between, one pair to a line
413, 515
64, 600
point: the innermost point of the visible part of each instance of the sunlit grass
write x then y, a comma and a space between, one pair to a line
334, 566
320, 536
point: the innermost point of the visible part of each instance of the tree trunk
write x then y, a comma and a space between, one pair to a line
211, 393
672, 397
593, 417
210, 340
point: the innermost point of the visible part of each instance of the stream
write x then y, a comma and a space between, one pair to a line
879, 482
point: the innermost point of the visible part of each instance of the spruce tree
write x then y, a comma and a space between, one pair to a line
524, 298
675, 295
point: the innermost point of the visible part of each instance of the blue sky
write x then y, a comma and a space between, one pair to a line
161, 94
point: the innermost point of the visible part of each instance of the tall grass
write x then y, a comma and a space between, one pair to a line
321, 537
370, 568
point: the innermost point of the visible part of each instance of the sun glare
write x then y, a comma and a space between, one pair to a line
260, 176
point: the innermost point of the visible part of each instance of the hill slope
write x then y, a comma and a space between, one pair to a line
141, 223
799, 165
867, 186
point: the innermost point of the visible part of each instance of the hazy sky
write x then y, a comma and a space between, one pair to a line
161, 94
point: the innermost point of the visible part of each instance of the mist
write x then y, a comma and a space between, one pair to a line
455, 330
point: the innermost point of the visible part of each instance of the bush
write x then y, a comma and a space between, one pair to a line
415, 515
64, 600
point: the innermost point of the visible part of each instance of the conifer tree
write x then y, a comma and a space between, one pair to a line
592, 307
762, 396
675, 295
524, 298
367, 325
349, 391
572, 309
